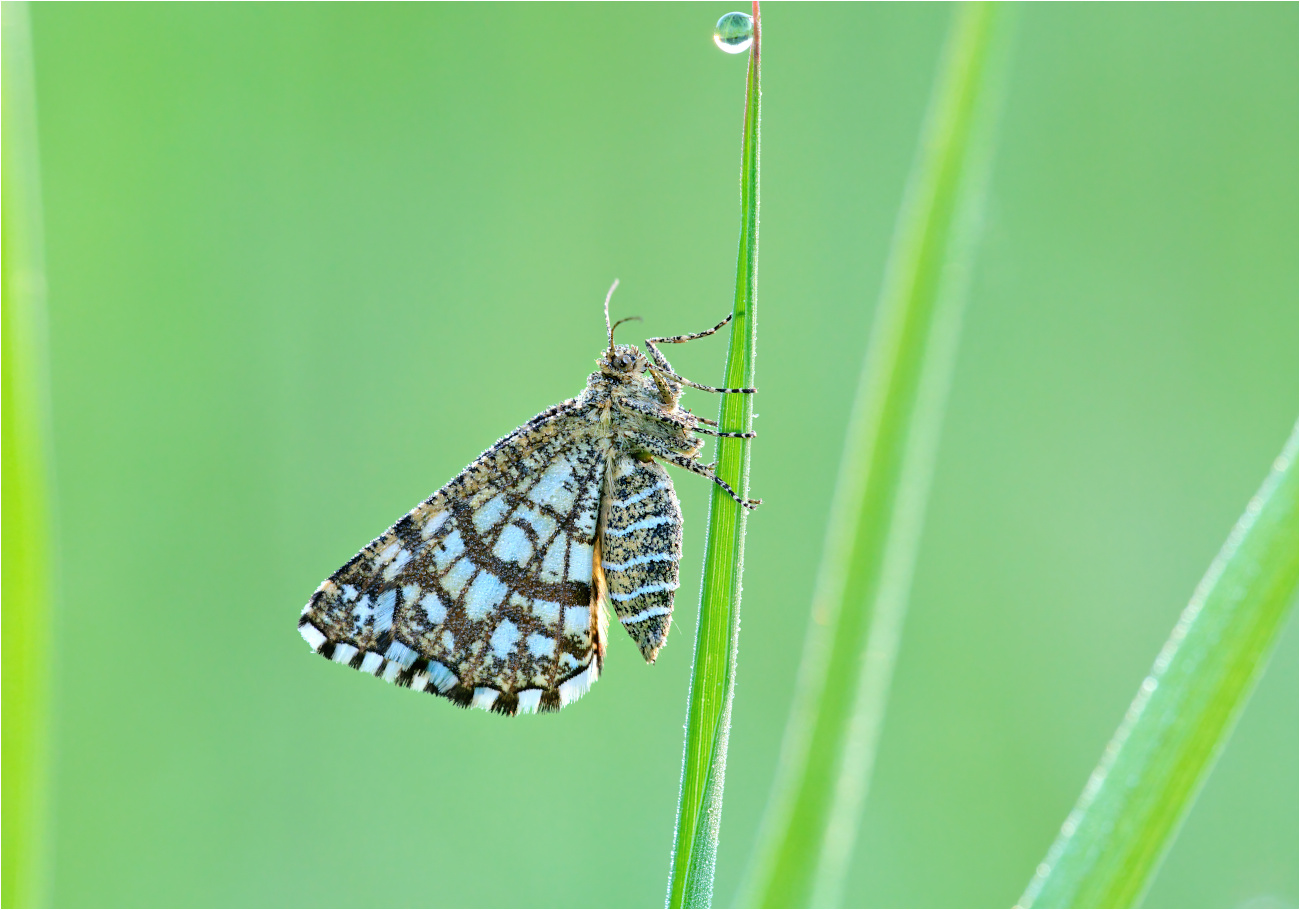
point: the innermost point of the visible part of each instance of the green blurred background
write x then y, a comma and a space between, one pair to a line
306, 261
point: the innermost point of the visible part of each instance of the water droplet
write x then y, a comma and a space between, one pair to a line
734, 33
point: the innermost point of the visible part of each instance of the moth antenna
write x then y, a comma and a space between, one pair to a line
609, 329
619, 323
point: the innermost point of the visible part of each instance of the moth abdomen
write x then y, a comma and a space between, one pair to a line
641, 545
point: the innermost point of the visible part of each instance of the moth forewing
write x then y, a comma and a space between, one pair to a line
483, 594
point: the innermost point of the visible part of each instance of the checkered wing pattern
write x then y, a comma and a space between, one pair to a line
484, 593
641, 546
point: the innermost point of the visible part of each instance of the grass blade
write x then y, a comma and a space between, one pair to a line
1151, 771
812, 818
713, 674
24, 541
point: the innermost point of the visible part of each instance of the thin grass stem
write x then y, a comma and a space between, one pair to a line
713, 674
811, 824
1111, 844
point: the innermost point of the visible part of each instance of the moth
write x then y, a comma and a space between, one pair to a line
494, 591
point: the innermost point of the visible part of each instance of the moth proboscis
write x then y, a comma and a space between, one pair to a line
493, 591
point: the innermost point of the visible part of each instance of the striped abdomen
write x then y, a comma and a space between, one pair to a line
641, 545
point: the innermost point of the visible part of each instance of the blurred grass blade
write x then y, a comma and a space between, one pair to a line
24, 416
713, 675
1113, 841
830, 742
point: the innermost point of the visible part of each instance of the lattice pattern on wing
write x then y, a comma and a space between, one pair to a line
484, 593
641, 546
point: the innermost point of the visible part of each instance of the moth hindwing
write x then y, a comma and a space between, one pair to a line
493, 591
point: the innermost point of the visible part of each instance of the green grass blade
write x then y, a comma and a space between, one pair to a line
713, 675
24, 417
1113, 841
812, 818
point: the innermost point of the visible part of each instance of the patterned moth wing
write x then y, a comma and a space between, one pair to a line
484, 593
640, 548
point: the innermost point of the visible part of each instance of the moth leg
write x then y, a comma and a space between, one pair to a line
724, 435
677, 421
667, 371
667, 393
695, 467
662, 365
678, 339
657, 448
658, 414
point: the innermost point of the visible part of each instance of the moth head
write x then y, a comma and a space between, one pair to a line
622, 360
